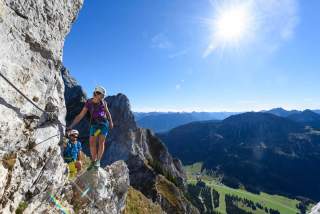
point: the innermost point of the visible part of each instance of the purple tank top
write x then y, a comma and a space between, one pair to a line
97, 110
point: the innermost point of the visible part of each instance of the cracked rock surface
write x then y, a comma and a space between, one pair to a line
100, 191
32, 36
33, 176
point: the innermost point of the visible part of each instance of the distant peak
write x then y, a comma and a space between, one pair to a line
278, 109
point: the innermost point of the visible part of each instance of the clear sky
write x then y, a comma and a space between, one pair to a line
204, 55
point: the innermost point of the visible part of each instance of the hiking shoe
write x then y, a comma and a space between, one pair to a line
92, 165
97, 164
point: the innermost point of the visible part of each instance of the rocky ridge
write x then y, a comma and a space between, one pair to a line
152, 169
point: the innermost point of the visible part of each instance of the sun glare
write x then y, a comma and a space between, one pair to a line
231, 26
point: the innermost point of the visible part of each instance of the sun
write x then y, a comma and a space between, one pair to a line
232, 25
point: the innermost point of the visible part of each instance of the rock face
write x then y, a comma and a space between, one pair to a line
138, 203
32, 171
316, 209
127, 142
32, 37
147, 158
31, 42
100, 191
75, 98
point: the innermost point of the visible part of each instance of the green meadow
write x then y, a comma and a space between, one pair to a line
282, 204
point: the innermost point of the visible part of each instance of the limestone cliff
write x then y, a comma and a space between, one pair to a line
32, 171
31, 38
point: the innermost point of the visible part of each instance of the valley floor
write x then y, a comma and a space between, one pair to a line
275, 202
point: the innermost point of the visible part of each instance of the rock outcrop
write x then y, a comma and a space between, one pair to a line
138, 203
32, 36
315, 209
127, 142
100, 191
33, 175
147, 158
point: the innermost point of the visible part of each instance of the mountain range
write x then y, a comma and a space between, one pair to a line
164, 121
258, 150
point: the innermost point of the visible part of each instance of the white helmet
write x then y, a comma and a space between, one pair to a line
73, 132
101, 89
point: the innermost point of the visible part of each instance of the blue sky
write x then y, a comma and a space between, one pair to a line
166, 55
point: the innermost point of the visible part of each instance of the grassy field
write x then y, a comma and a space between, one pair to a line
282, 204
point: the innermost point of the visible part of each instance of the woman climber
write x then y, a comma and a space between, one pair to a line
100, 122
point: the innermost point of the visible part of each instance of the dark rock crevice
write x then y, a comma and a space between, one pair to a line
38, 48
17, 12
15, 109
20, 14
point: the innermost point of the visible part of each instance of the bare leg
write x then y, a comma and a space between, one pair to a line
93, 148
102, 140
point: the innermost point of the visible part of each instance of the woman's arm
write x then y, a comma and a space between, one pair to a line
78, 117
80, 156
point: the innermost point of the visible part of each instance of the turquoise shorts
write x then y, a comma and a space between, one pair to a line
99, 129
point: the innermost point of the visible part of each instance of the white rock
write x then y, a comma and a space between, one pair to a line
315, 209
32, 36
102, 190
3, 179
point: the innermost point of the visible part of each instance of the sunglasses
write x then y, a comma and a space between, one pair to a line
75, 136
97, 93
